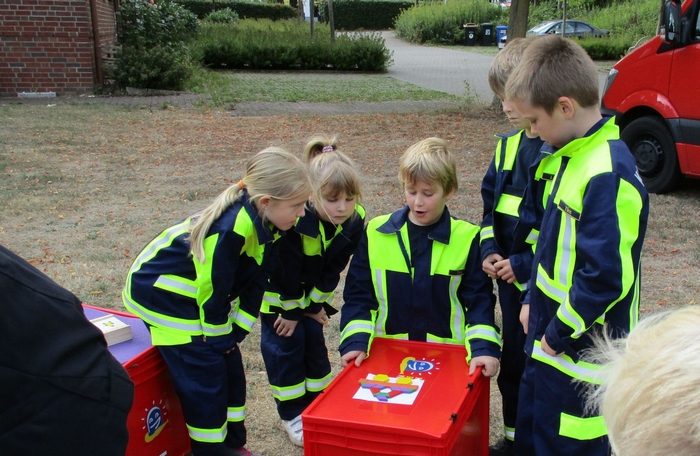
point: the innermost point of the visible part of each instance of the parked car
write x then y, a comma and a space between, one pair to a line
574, 28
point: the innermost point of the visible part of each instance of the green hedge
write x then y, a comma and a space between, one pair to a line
263, 44
364, 14
201, 8
441, 23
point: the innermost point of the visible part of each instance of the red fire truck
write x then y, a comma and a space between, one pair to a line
655, 93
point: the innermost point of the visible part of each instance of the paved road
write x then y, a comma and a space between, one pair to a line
443, 69
452, 71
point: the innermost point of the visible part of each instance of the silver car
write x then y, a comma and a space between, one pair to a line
574, 28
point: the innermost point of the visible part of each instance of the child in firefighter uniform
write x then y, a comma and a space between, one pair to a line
507, 241
198, 287
299, 299
416, 274
587, 260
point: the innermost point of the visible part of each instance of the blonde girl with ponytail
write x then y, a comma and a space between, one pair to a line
198, 287
299, 298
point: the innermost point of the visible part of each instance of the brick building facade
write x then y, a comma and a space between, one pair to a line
54, 45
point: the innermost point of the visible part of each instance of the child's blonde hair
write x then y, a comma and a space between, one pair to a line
431, 162
650, 396
271, 172
553, 67
504, 63
318, 145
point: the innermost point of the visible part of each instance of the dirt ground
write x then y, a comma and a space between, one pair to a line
84, 185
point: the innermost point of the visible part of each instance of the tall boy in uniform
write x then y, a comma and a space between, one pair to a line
587, 259
507, 241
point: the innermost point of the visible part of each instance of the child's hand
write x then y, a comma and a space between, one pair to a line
321, 316
284, 327
504, 271
489, 363
356, 355
488, 265
547, 349
524, 316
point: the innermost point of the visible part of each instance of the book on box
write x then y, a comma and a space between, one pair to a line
114, 329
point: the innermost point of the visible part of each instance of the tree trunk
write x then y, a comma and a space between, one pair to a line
517, 23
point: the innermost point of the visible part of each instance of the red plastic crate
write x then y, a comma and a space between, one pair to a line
449, 415
155, 423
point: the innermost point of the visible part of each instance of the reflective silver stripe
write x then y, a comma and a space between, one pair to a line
166, 238
568, 316
509, 433
566, 251
243, 319
316, 385
381, 299
275, 300
486, 232
317, 295
543, 283
187, 290
587, 372
356, 326
457, 312
207, 435
216, 330
286, 393
235, 414
271, 299
532, 236
483, 332
191, 326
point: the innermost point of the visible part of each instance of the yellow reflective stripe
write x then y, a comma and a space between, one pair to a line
311, 246
163, 240
443, 340
317, 295
287, 393
318, 384
235, 414
207, 435
578, 428
567, 315
486, 233
356, 327
581, 370
520, 286
548, 286
382, 310
457, 318
629, 206
532, 236
192, 327
509, 433
484, 332
273, 299
399, 336
242, 318
178, 285
566, 253
508, 204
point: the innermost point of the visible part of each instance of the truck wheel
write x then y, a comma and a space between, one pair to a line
653, 148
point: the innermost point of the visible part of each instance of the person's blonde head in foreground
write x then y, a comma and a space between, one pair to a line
650, 395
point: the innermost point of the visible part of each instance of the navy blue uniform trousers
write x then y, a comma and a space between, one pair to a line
291, 360
513, 354
207, 383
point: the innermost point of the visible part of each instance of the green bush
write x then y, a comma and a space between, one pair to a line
245, 10
222, 16
364, 14
264, 44
162, 66
152, 52
442, 23
140, 23
612, 48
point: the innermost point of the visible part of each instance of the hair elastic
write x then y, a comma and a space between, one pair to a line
240, 184
328, 148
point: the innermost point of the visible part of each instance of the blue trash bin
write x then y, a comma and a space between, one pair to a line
501, 35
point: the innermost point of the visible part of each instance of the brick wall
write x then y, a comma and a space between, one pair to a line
47, 45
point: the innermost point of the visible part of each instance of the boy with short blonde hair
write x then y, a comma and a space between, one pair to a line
416, 273
508, 232
587, 258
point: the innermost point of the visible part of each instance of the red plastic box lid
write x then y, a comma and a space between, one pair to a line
411, 387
